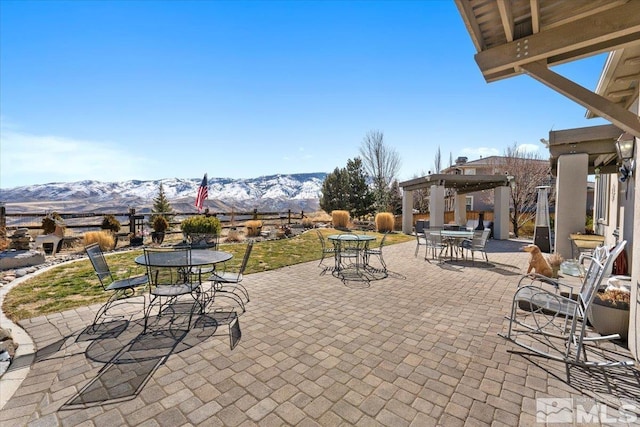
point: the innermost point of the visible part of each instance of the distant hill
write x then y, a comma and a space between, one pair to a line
266, 193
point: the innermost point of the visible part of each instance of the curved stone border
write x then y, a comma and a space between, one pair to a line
25, 353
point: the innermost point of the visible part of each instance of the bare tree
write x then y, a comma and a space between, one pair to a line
529, 170
382, 164
437, 161
421, 196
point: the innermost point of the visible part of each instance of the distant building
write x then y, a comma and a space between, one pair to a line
492, 165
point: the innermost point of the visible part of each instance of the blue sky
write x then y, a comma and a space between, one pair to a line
118, 90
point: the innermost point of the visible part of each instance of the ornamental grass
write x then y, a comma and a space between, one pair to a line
103, 238
385, 222
254, 227
340, 219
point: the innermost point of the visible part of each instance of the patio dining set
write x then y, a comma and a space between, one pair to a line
353, 254
179, 283
452, 243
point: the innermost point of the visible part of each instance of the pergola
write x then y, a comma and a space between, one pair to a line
462, 184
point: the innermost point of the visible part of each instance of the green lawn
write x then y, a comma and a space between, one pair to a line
75, 284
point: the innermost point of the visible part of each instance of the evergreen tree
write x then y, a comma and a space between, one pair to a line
395, 205
361, 198
161, 206
335, 191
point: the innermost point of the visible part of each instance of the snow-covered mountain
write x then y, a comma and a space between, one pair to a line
266, 193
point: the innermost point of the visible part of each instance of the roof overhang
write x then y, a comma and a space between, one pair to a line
461, 183
596, 141
529, 36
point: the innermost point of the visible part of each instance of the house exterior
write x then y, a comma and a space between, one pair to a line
522, 37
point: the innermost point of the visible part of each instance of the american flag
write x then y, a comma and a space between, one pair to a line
203, 193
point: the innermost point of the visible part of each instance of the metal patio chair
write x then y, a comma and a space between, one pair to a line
121, 289
476, 244
368, 252
326, 250
170, 278
435, 243
421, 240
227, 283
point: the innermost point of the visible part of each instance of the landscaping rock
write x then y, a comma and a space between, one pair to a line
9, 346
5, 334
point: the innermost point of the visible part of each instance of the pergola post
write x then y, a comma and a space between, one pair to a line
571, 200
407, 211
461, 209
436, 206
501, 212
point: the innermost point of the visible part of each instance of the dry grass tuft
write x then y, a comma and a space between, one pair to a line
103, 238
340, 219
385, 222
254, 227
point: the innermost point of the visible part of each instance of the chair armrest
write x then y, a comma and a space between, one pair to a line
543, 282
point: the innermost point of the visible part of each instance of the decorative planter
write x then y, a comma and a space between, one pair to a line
48, 247
203, 240
609, 320
136, 241
157, 237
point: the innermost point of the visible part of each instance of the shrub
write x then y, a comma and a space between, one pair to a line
110, 222
160, 224
103, 238
201, 224
254, 227
307, 223
340, 219
385, 222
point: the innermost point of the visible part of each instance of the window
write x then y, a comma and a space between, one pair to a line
469, 203
470, 171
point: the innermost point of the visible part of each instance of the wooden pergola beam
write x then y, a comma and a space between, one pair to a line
589, 35
616, 114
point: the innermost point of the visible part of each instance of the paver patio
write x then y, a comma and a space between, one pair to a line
417, 348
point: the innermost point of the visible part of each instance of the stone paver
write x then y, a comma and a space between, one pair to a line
418, 348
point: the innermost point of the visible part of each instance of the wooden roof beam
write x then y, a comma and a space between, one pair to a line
591, 147
616, 114
584, 134
506, 16
535, 16
588, 35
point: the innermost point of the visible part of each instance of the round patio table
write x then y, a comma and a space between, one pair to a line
340, 241
198, 258
453, 239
